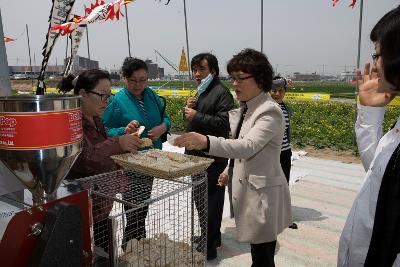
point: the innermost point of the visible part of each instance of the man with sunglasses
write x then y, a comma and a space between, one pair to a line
207, 113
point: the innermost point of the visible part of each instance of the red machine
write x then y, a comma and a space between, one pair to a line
53, 234
40, 138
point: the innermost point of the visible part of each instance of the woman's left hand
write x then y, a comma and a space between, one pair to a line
223, 179
192, 141
157, 131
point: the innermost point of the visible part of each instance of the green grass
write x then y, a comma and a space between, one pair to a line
336, 89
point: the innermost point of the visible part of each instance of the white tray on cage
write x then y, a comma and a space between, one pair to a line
163, 164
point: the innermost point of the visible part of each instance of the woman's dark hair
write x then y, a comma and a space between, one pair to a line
211, 60
254, 63
387, 34
132, 64
87, 80
279, 82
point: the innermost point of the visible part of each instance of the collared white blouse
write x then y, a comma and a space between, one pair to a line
375, 152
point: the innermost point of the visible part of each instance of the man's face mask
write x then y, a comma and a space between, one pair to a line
204, 84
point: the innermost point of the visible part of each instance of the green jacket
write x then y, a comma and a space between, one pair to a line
124, 107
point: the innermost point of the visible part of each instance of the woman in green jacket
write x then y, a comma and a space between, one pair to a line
136, 102
132, 106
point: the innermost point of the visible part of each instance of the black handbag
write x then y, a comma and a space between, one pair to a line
164, 136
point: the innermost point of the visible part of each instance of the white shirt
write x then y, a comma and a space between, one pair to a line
375, 152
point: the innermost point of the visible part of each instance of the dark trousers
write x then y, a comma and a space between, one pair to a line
216, 197
263, 254
286, 163
139, 191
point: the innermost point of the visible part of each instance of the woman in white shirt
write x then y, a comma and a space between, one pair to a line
371, 235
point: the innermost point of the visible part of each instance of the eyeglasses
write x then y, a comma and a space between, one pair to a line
375, 56
137, 81
240, 79
103, 97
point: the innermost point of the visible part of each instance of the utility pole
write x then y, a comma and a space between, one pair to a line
87, 35
262, 25
187, 39
127, 31
323, 69
5, 84
87, 41
29, 49
358, 67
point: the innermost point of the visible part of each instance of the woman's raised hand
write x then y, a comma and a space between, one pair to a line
370, 93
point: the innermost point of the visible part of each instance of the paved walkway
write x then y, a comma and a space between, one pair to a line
320, 201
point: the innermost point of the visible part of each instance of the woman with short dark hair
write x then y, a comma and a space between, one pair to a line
94, 87
371, 234
260, 194
135, 105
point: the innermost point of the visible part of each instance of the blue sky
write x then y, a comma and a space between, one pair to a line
298, 35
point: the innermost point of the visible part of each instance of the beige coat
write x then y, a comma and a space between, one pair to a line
260, 194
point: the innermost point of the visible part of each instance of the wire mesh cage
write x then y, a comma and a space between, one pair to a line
139, 220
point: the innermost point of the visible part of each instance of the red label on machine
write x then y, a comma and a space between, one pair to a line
40, 130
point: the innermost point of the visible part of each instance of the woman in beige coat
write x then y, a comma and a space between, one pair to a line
260, 194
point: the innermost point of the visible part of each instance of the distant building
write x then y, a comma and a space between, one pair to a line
297, 76
160, 73
82, 63
50, 70
329, 78
115, 74
155, 72
347, 76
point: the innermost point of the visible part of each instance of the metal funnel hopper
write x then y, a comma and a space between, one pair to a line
40, 138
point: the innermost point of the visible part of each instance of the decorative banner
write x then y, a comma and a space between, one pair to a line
43, 129
183, 67
97, 12
59, 14
307, 96
7, 39
162, 92
352, 5
76, 37
168, 92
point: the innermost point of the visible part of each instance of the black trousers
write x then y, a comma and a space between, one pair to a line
286, 163
216, 197
263, 254
139, 190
